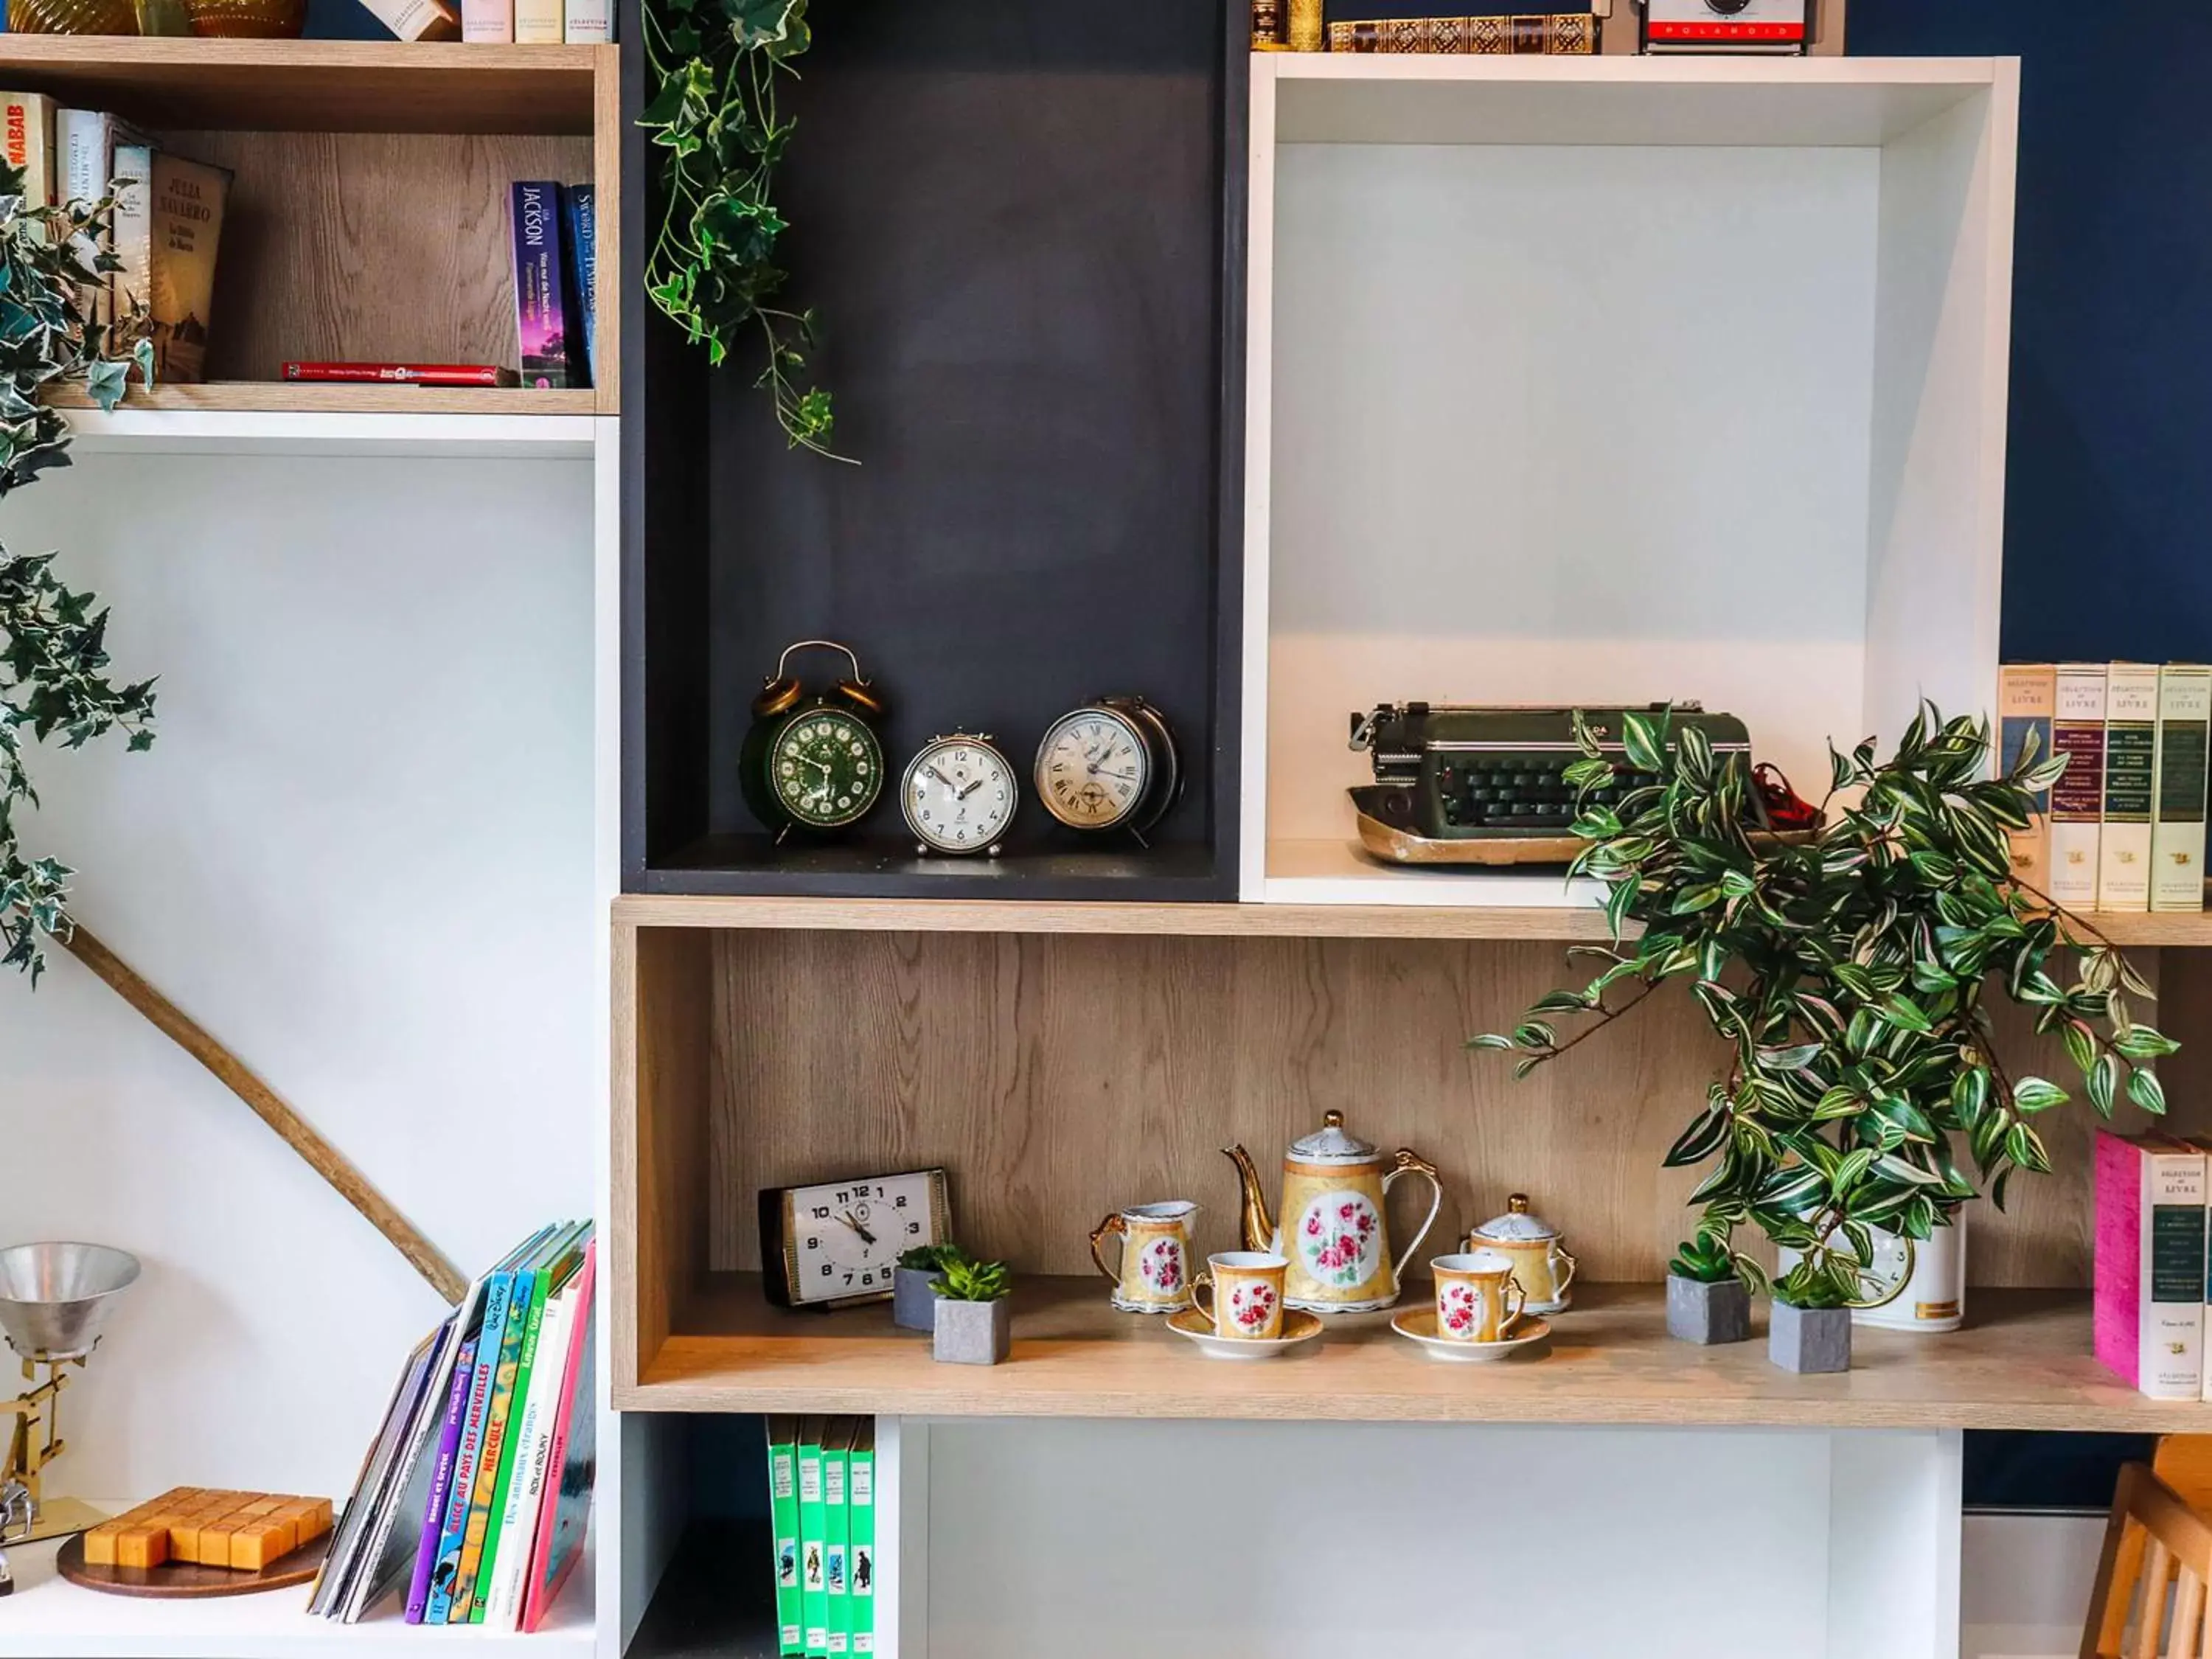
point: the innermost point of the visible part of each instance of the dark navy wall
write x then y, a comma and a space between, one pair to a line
2108, 516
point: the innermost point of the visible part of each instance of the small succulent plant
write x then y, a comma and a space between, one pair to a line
965, 1280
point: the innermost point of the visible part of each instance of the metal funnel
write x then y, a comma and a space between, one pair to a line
54, 1297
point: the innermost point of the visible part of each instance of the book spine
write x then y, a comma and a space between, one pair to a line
533, 1326
489, 1455
84, 138
783, 1513
2117, 1264
580, 222
539, 326
565, 1510
1557, 35
836, 1541
2184, 760
187, 199
441, 1483
27, 138
588, 22
813, 1523
538, 22
2077, 800
2131, 781
2027, 698
860, 1501
1270, 28
130, 283
490, 22
434, 374
453, 1528
2170, 1272
518, 1516
417, 20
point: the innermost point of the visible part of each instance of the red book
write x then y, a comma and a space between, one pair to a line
403, 373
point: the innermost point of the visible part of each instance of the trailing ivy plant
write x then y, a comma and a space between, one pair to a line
713, 65
54, 685
1851, 972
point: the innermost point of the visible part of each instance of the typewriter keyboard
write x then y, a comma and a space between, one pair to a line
1522, 793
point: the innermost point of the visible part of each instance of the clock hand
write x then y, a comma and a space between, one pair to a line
940, 777
866, 1237
969, 790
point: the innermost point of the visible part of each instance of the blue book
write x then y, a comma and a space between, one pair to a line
499, 1289
580, 249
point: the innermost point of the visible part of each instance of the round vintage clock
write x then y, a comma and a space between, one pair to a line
959, 795
812, 761
1109, 765
838, 1242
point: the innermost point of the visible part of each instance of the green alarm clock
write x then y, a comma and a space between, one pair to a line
812, 761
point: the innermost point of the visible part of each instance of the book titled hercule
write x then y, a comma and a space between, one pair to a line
540, 314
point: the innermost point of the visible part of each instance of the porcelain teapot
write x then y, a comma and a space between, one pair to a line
1333, 1231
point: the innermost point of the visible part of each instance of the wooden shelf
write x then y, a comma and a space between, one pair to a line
285, 397
2024, 1364
316, 86
187, 432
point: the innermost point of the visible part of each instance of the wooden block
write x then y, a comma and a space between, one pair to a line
215, 1544
317, 1520
100, 1544
184, 1538
262, 1506
263, 1541
142, 1546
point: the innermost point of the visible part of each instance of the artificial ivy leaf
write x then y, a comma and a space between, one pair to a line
1560, 1002
2102, 1080
2025, 1147
1906, 1015
1641, 739
2034, 1094
1698, 1142
1490, 1040
2147, 1091
1535, 1034
2142, 1042
1793, 1059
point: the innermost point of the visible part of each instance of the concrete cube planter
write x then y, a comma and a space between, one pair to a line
1708, 1314
913, 1304
972, 1332
1809, 1340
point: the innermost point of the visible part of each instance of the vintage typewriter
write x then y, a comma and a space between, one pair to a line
1461, 785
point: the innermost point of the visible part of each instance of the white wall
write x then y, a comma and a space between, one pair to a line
360, 854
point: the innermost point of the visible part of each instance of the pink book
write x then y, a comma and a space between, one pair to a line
2149, 1308
565, 1511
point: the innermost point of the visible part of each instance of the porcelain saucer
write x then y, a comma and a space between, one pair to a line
1298, 1326
1420, 1325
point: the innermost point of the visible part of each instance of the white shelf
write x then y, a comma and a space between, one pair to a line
1339, 873
1817, 102
210, 432
53, 1619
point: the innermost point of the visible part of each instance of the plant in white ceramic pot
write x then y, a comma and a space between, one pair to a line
1849, 969
54, 682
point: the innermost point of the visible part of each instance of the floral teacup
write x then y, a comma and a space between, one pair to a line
1246, 1300
1478, 1298
1154, 1276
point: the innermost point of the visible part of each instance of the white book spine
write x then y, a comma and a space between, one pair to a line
538, 22
82, 136
518, 1527
589, 22
2185, 759
2173, 1266
415, 20
487, 21
2077, 800
2130, 782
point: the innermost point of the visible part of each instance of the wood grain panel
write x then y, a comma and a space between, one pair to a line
300, 397
2023, 1364
661, 1046
1060, 1077
370, 246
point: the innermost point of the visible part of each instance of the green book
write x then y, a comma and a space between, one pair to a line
836, 1536
861, 1502
813, 1520
562, 1259
783, 1513
502, 1351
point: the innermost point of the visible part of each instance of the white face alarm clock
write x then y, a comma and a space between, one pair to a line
959, 795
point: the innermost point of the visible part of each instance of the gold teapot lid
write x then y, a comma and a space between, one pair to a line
1517, 1225
1332, 1144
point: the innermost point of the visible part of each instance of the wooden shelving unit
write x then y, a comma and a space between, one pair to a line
281, 398
2023, 1364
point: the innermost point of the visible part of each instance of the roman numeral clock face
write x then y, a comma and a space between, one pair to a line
1093, 769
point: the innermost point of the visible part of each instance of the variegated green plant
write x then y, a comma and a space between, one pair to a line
711, 68
53, 652
1851, 973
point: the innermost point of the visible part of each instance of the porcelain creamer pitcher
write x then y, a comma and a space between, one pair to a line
1333, 1231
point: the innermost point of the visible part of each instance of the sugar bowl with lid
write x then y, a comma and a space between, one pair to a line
1542, 1263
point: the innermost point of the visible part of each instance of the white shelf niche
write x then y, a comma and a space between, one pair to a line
1613, 381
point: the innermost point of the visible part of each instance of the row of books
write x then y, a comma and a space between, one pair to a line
822, 1498
169, 216
2123, 830
1548, 28
2149, 1315
527, 22
476, 1494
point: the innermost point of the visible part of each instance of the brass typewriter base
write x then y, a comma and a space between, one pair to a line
1501, 852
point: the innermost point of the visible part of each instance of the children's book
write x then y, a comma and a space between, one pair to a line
544, 1365
837, 1535
783, 1516
564, 1517
860, 1501
813, 1539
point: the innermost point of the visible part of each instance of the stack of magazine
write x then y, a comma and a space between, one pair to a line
474, 1497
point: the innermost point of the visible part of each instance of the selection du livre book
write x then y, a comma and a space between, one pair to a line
474, 1497
822, 1512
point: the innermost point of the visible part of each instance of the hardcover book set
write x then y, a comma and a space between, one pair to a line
1547, 27
822, 1497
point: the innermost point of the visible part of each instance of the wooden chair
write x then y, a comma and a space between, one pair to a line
2155, 1544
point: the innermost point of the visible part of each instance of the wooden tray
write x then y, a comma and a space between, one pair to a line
184, 1580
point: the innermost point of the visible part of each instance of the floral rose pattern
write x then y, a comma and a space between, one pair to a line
1251, 1306
1457, 1311
1341, 1239
1161, 1266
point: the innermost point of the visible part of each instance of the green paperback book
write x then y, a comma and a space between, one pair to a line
836, 1536
783, 1515
860, 1506
503, 1350
813, 1520
564, 1257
